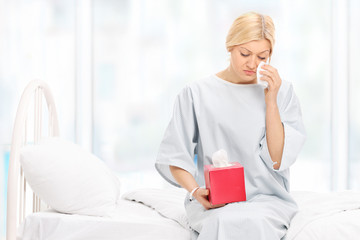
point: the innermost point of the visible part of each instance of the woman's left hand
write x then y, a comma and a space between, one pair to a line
271, 75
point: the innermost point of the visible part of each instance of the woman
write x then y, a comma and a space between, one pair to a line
260, 128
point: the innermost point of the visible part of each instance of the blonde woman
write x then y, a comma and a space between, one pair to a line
260, 128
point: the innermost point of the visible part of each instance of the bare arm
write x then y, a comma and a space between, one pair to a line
274, 133
187, 181
274, 127
184, 178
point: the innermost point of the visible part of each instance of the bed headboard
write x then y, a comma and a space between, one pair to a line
28, 129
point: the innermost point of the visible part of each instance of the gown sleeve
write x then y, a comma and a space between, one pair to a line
294, 130
178, 145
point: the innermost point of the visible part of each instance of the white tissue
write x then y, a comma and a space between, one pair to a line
220, 159
259, 81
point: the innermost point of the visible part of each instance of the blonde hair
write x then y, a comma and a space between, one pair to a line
249, 27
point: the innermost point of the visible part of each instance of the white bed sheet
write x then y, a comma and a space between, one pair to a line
330, 216
132, 221
160, 214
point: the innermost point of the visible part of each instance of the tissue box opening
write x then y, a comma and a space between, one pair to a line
226, 185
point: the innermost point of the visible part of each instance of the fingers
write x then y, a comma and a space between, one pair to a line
217, 205
205, 202
269, 68
201, 192
270, 71
201, 196
267, 78
271, 75
207, 205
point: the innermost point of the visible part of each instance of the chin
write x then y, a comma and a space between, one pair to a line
248, 80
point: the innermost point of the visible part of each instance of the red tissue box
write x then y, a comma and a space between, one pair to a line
226, 184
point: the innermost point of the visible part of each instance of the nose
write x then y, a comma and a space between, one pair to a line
252, 63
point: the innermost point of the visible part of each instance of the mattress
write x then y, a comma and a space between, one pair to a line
132, 220
159, 214
330, 216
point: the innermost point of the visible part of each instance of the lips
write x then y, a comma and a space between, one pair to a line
249, 73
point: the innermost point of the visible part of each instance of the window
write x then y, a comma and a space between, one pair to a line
146, 52
354, 98
37, 42
142, 53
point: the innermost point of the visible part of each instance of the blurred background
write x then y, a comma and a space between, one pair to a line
116, 66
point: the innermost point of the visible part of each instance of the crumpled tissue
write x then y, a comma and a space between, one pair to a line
263, 83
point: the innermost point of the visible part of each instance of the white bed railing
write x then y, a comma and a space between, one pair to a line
17, 186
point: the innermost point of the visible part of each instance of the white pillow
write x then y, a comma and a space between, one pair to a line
70, 179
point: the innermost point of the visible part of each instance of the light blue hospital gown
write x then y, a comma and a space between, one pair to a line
213, 114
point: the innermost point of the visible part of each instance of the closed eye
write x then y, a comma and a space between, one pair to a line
244, 55
261, 58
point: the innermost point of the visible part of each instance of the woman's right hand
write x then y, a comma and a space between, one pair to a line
187, 181
201, 195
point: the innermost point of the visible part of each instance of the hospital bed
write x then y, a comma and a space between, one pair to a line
146, 213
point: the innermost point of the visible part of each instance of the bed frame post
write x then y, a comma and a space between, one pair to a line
16, 200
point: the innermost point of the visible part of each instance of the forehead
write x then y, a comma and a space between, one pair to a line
257, 46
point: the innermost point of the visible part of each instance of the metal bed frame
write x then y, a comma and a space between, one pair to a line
33, 94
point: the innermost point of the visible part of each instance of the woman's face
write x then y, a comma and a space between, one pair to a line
246, 57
